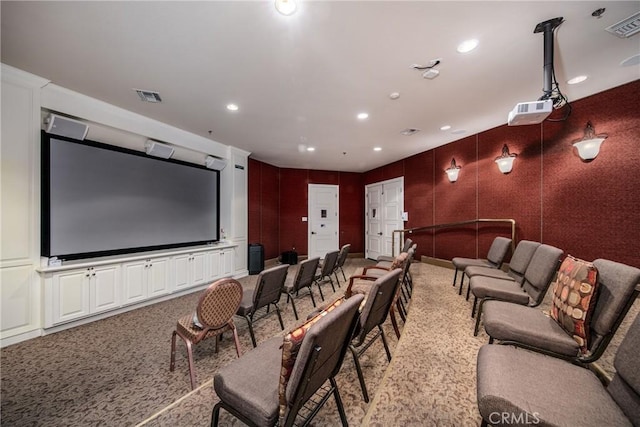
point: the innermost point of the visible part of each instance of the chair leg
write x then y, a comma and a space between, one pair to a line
473, 309
335, 273
331, 281
320, 289
215, 414
343, 276
192, 368
235, 339
336, 395
293, 304
401, 310
279, 316
172, 364
253, 337
478, 316
455, 277
490, 340
359, 371
394, 322
468, 288
313, 300
384, 342
461, 282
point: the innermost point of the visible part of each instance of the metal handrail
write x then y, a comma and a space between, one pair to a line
455, 224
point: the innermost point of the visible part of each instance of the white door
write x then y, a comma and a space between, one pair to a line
374, 234
323, 220
384, 207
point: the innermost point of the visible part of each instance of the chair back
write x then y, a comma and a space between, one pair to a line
498, 251
378, 303
540, 272
407, 245
219, 303
624, 388
306, 273
321, 354
269, 286
342, 256
329, 263
521, 258
617, 290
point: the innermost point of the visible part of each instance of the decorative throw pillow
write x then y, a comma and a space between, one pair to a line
290, 347
573, 298
397, 261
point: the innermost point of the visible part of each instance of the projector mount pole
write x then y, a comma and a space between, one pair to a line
547, 28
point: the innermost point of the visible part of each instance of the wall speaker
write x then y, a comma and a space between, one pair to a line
64, 126
158, 149
215, 163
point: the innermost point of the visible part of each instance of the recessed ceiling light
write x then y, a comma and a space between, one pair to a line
377, 148
232, 107
576, 80
445, 127
311, 149
394, 95
458, 131
286, 7
363, 116
467, 46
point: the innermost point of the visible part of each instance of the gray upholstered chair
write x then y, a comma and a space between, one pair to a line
326, 268
389, 258
265, 294
213, 316
517, 387
379, 301
497, 252
304, 278
251, 387
517, 266
342, 257
537, 279
618, 287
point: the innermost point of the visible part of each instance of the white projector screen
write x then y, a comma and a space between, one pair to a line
102, 200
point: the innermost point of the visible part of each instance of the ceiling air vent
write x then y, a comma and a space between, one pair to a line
627, 27
409, 131
148, 95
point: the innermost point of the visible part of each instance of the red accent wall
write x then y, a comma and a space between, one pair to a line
590, 210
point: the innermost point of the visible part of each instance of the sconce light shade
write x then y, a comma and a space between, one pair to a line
589, 145
505, 161
286, 7
453, 171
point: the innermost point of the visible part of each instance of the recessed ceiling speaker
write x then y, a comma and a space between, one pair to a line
158, 149
215, 163
64, 126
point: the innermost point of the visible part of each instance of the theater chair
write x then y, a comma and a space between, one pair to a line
495, 256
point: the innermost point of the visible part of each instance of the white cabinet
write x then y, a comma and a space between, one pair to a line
190, 270
75, 294
226, 262
214, 266
145, 279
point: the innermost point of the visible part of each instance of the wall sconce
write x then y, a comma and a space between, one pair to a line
453, 171
505, 161
589, 145
286, 7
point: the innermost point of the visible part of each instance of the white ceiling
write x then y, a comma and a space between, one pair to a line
301, 80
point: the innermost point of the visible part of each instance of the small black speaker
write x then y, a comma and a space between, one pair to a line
256, 258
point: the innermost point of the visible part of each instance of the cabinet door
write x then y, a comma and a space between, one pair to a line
134, 286
227, 262
215, 266
104, 288
198, 269
158, 277
70, 295
181, 266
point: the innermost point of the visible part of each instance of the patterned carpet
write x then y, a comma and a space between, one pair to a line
115, 372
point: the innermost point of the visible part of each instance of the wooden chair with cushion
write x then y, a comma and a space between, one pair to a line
520, 387
389, 258
497, 252
270, 384
304, 278
214, 315
591, 302
265, 294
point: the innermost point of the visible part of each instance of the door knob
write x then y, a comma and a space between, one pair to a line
380, 234
313, 232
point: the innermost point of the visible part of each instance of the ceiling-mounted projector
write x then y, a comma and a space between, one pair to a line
530, 113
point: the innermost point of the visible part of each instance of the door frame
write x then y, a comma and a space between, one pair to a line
399, 180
